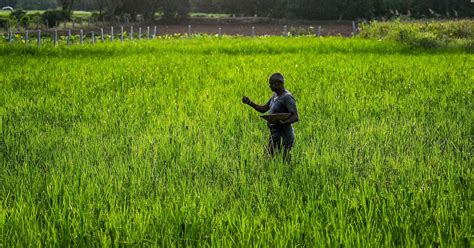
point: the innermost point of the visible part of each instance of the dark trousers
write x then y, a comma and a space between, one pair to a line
281, 139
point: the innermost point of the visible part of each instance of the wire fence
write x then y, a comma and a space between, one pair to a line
120, 34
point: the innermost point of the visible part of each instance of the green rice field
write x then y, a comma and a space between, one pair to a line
149, 144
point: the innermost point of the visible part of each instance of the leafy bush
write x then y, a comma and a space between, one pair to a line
96, 16
18, 14
56, 16
4, 22
24, 21
175, 10
36, 19
430, 34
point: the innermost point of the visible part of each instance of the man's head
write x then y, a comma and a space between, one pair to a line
277, 82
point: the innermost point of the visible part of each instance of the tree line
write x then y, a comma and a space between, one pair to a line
350, 9
291, 9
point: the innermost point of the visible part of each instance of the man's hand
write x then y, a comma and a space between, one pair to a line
280, 122
292, 119
259, 108
246, 100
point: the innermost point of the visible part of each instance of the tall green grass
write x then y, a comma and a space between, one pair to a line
423, 34
149, 144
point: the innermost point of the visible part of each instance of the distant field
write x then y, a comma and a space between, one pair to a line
7, 12
209, 15
80, 13
148, 143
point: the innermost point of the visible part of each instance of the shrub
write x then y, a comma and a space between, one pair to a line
18, 14
56, 16
24, 21
36, 19
96, 16
4, 22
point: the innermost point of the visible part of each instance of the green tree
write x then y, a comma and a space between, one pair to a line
66, 5
29, 4
175, 9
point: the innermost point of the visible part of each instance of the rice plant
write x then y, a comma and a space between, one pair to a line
148, 144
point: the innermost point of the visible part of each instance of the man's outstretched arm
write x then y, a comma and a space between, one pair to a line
259, 108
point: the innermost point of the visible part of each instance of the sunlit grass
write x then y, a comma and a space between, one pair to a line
148, 143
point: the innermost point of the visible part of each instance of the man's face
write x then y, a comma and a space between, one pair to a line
274, 85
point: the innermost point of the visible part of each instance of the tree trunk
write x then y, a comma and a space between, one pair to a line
71, 3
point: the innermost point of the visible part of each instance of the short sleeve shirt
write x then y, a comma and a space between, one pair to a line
285, 103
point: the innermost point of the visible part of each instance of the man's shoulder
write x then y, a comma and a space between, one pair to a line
273, 96
288, 96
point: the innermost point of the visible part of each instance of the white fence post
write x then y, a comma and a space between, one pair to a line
148, 32
69, 37
121, 34
131, 33
154, 32
93, 37
102, 35
190, 31
319, 31
81, 36
112, 33
354, 28
285, 31
39, 37
253, 31
220, 32
139, 33
55, 37
10, 38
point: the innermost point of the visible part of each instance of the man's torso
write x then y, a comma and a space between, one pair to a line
278, 104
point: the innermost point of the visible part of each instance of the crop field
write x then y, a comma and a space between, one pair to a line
148, 144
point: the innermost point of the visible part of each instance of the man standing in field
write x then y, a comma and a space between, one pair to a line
281, 132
